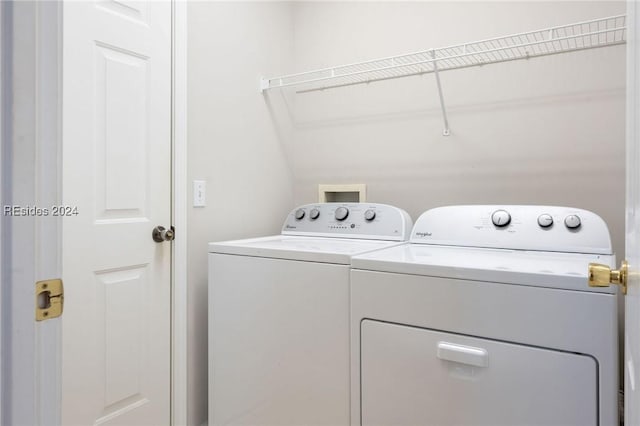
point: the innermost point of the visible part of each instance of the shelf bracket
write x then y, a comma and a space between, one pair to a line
264, 84
446, 131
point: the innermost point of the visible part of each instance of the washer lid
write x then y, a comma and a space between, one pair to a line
533, 268
311, 249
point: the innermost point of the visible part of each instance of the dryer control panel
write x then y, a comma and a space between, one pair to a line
543, 228
349, 220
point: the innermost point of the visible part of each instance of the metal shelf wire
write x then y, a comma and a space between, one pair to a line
591, 34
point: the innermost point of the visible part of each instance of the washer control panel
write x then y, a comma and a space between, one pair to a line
544, 228
349, 220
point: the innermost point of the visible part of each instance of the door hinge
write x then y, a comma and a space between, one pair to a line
49, 299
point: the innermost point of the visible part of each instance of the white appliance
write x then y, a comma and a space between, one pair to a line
486, 318
279, 315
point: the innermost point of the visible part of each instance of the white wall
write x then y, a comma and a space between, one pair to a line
234, 146
544, 131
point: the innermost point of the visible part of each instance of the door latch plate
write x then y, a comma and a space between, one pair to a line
49, 299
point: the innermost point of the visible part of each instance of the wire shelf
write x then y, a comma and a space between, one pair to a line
591, 34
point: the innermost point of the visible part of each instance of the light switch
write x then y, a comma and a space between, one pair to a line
199, 193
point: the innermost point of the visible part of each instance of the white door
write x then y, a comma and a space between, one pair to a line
116, 172
632, 243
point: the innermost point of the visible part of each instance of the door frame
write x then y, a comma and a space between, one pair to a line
30, 176
4, 104
179, 332
44, 22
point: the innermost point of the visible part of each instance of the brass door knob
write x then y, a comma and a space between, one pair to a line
160, 234
602, 276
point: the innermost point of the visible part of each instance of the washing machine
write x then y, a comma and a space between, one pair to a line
486, 318
279, 315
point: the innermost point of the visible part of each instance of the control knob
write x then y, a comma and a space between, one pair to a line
545, 220
369, 215
314, 214
299, 214
341, 213
572, 221
501, 218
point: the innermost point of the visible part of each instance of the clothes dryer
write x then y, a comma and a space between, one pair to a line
486, 318
279, 315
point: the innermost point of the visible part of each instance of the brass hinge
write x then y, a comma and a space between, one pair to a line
49, 299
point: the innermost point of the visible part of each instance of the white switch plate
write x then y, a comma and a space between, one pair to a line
199, 193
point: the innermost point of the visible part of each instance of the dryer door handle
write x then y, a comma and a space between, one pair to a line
469, 355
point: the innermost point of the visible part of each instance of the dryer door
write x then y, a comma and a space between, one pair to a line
414, 376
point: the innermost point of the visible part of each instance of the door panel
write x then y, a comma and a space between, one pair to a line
124, 331
116, 171
122, 141
413, 376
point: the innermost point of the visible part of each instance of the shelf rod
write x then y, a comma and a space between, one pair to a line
615, 17
446, 131
475, 53
422, 72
